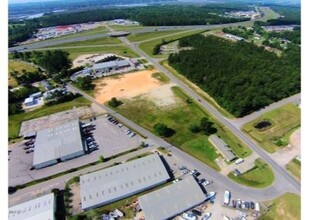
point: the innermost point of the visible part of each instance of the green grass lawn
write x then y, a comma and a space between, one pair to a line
127, 27
285, 207
98, 41
148, 46
198, 90
179, 116
16, 120
284, 121
294, 166
119, 50
18, 66
161, 77
149, 35
260, 177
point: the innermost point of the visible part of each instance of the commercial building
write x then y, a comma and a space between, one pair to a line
41, 208
118, 182
57, 144
30, 101
110, 66
222, 147
172, 200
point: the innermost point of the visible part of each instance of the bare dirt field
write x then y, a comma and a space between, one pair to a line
133, 84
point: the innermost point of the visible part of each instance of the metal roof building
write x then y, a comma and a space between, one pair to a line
42, 208
222, 147
59, 143
172, 200
111, 65
117, 182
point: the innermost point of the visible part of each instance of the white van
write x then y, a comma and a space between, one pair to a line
239, 160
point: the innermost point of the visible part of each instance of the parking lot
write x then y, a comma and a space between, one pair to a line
109, 139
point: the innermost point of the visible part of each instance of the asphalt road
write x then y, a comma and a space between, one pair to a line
282, 176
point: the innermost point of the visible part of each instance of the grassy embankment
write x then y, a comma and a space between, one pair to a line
285, 207
294, 166
16, 120
150, 35
284, 121
260, 176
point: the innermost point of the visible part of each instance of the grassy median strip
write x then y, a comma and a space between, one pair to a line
283, 121
149, 35
285, 207
16, 120
260, 176
294, 166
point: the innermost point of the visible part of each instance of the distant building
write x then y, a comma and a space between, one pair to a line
57, 144
118, 182
41, 208
36, 95
234, 37
172, 200
29, 101
46, 85
110, 66
222, 147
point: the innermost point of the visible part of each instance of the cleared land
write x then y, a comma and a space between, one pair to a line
294, 166
147, 113
125, 85
260, 176
148, 46
286, 207
16, 120
284, 121
99, 41
119, 50
19, 67
150, 35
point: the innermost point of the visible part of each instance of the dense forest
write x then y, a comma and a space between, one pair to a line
148, 16
241, 76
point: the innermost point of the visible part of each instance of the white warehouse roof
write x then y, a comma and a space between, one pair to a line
41, 208
57, 142
111, 184
172, 200
111, 64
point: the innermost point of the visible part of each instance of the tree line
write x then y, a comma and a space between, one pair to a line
241, 76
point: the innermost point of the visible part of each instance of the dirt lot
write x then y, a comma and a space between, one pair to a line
131, 85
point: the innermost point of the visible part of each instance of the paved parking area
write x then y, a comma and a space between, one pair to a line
111, 138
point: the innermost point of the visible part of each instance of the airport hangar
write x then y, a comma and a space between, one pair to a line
41, 208
172, 200
56, 144
121, 181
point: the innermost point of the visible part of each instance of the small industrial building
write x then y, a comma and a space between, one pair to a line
110, 66
121, 181
57, 144
30, 101
47, 86
222, 147
41, 208
172, 200
36, 95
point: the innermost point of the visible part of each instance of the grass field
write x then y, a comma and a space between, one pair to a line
260, 177
98, 41
18, 66
294, 166
16, 120
198, 90
161, 77
179, 117
148, 46
285, 207
120, 50
284, 121
149, 35
127, 27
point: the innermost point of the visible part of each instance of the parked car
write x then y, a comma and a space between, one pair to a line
252, 205
207, 182
182, 167
237, 172
201, 181
196, 212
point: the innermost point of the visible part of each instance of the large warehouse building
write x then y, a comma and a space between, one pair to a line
42, 208
106, 67
172, 200
117, 182
57, 144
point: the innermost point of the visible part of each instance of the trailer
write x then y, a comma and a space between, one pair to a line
227, 196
